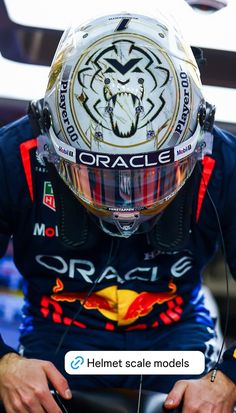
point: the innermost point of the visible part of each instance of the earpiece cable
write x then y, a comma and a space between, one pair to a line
140, 393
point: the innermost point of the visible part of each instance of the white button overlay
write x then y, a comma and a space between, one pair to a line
134, 362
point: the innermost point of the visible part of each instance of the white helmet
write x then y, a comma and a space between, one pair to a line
124, 96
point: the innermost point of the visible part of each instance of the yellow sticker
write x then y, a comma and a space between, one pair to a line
234, 353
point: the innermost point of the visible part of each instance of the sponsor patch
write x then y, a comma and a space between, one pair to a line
48, 196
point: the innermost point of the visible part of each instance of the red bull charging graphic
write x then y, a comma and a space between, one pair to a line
120, 307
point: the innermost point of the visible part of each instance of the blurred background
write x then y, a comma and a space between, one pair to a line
29, 34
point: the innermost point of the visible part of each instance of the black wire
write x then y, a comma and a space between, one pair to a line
61, 341
140, 393
226, 277
60, 402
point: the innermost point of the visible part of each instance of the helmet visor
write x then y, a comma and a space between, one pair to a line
139, 182
138, 190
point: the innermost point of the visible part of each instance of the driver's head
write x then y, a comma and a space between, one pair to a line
124, 97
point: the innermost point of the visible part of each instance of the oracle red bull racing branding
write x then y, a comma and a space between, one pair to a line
86, 271
119, 307
131, 300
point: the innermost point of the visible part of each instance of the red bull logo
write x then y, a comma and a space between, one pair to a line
144, 302
119, 305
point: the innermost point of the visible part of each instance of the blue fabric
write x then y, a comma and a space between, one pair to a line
139, 290
184, 336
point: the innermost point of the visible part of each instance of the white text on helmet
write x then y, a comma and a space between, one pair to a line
125, 162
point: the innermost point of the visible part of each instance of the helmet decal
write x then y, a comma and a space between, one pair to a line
119, 88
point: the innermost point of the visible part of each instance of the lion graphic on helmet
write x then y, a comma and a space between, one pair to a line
121, 87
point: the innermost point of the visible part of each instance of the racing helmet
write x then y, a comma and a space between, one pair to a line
124, 97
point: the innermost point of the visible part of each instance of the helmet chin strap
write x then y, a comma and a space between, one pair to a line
127, 224
124, 227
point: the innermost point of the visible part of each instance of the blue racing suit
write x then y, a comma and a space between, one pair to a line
143, 298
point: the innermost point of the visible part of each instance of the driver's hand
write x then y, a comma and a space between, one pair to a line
203, 396
24, 385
